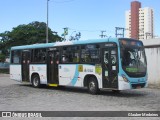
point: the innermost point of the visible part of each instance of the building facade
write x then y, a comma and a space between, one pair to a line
139, 22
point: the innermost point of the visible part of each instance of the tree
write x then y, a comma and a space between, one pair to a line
31, 33
2, 57
3, 41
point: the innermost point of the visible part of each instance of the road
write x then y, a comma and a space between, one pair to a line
15, 96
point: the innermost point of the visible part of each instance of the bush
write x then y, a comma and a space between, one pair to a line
4, 70
2, 57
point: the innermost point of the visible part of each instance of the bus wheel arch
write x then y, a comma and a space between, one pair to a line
35, 80
91, 82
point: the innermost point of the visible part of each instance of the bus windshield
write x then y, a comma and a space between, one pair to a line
133, 57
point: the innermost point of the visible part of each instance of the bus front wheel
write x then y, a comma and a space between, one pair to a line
93, 86
36, 81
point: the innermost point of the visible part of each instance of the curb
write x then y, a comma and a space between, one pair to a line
4, 75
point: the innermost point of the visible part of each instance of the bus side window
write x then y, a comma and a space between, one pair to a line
90, 53
106, 57
57, 57
64, 59
16, 57
42, 55
70, 54
39, 55
113, 57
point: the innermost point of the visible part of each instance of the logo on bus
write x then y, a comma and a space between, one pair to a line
88, 70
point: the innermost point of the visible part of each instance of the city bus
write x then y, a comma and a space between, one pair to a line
112, 63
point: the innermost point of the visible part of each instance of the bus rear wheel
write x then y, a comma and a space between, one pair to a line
93, 86
36, 81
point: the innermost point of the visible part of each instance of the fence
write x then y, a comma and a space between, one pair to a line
4, 67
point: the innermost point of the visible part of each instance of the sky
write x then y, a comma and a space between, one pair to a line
89, 17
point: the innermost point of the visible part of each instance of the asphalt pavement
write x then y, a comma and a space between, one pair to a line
16, 96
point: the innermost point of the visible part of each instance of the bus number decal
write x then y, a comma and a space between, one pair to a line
98, 69
80, 68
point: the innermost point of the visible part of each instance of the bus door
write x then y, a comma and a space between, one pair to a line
25, 65
52, 66
110, 67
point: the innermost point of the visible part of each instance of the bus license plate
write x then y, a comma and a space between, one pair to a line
138, 87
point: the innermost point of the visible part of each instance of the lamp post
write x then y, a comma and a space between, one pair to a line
47, 24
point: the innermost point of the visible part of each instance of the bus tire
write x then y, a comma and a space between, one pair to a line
36, 81
93, 86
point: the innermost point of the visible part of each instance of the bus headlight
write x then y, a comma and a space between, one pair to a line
125, 78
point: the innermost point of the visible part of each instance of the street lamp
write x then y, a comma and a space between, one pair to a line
47, 24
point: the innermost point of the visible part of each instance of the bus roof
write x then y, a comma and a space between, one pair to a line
47, 45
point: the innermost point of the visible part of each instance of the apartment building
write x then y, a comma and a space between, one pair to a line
139, 22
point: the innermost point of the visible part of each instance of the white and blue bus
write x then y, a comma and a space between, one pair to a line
112, 63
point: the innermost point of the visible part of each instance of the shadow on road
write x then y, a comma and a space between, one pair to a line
125, 93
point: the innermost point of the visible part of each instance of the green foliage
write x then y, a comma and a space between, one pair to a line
31, 33
2, 57
4, 71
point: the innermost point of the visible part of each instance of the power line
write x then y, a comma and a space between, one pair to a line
84, 30
64, 1
102, 35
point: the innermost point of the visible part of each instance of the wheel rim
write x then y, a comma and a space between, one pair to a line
36, 81
92, 86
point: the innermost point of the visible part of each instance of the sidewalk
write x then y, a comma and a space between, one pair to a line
153, 86
4, 75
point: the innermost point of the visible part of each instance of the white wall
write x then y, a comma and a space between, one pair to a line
153, 60
153, 64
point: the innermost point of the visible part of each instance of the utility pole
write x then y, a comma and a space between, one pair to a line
65, 32
102, 35
47, 24
121, 33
